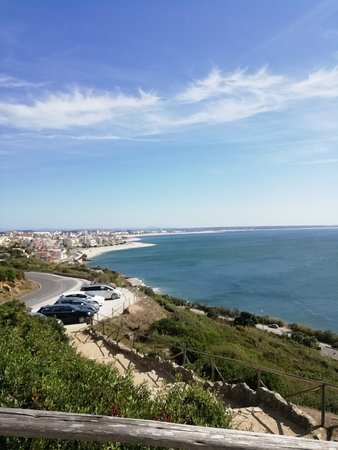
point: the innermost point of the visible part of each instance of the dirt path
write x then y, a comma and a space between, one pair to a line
246, 419
97, 350
262, 420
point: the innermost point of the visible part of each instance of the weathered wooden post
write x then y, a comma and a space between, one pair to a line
258, 379
322, 390
184, 356
212, 369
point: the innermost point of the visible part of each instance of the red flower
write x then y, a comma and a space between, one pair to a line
164, 417
114, 411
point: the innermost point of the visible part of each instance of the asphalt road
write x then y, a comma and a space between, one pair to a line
51, 287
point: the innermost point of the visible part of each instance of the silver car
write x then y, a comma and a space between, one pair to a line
93, 306
84, 296
108, 292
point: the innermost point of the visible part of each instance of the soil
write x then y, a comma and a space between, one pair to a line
139, 317
17, 289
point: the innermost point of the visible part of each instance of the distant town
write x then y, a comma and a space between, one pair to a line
66, 245
70, 245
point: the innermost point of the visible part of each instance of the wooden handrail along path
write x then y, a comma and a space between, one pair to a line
58, 425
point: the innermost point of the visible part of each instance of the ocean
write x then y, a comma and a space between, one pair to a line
287, 273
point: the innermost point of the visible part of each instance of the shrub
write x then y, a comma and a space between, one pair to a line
246, 319
39, 370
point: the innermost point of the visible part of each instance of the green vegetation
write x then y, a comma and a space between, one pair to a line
304, 339
321, 335
183, 329
9, 273
39, 370
246, 319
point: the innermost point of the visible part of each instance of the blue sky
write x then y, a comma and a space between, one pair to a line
168, 113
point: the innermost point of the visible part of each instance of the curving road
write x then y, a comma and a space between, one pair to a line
50, 288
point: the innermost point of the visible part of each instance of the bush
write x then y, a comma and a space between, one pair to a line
246, 319
8, 273
326, 336
304, 339
193, 405
39, 370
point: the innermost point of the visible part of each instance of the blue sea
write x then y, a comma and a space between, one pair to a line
287, 273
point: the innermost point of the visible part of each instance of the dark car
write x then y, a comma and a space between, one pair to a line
43, 317
67, 313
77, 302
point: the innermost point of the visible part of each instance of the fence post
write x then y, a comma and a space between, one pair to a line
184, 356
212, 369
258, 379
322, 390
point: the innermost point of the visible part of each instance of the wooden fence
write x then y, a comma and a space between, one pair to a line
318, 385
85, 427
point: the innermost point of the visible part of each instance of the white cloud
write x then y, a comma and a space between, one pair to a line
107, 137
319, 161
7, 81
231, 84
217, 98
73, 109
323, 83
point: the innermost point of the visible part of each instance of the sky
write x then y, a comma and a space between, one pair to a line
168, 113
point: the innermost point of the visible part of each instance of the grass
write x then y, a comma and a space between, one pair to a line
183, 329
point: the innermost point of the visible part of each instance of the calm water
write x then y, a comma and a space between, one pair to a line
291, 274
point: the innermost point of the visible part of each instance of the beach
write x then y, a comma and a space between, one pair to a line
91, 252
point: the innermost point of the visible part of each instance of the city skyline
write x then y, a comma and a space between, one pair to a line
168, 114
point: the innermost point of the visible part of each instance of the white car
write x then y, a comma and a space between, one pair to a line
84, 296
108, 292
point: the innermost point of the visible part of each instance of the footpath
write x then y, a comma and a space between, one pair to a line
253, 419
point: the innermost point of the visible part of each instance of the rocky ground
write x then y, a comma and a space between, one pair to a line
12, 290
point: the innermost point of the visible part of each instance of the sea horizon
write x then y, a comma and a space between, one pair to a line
284, 272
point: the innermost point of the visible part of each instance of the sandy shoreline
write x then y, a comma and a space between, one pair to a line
91, 252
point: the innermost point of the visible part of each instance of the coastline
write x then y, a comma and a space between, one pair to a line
323, 323
92, 252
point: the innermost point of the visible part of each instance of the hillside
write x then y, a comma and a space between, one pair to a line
40, 370
161, 327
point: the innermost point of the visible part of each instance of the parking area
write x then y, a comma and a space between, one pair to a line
112, 308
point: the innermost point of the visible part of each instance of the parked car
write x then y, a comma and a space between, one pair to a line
85, 296
108, 292
78, 302
43, 317
67, 313
273, 325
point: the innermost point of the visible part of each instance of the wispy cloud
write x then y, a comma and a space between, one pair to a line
322, 83
217, 98
73, 109
7, 81
319, 161
95, 137
232, 84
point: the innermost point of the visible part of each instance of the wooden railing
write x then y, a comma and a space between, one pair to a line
85, 427
318, 385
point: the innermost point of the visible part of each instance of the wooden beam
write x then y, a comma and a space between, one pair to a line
86, 427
